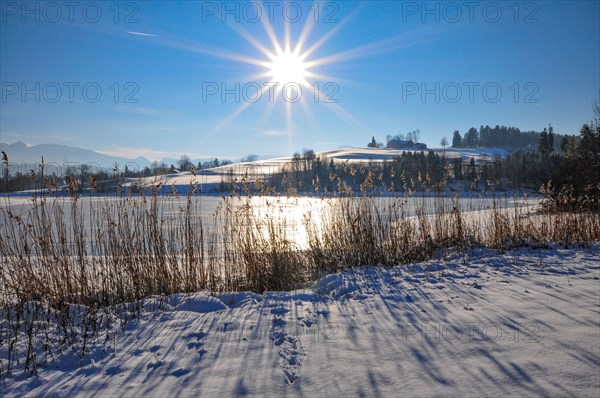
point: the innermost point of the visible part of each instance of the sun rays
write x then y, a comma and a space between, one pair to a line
288, 70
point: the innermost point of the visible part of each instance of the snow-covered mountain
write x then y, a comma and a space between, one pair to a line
22, 155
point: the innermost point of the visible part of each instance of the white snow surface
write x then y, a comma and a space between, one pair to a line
521, 323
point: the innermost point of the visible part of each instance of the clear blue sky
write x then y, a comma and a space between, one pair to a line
377, 55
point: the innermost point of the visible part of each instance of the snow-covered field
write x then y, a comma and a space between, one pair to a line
521, 323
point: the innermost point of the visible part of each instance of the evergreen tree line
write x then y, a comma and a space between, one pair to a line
510, 138
574, 171
35, 177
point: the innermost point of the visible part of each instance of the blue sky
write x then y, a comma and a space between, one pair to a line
154, 62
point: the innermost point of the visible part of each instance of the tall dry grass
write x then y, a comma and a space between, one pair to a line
101, 255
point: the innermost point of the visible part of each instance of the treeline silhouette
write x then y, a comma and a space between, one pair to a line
567, 177
507, 137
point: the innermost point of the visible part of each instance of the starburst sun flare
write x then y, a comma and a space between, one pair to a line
288, 67
290, 62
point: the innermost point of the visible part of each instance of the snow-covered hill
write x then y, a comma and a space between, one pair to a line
376, 154
215, 175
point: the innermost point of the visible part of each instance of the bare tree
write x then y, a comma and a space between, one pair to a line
185, 163
596, 109
416, 136
444, 142
250, 158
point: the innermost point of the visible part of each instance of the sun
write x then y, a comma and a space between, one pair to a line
288, 66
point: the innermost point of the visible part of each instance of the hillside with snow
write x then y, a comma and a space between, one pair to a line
353, 155
375, 154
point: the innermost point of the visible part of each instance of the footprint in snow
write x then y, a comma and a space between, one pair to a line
154, 365
198, 344
180, 372
113, 370
290, 350
196, 335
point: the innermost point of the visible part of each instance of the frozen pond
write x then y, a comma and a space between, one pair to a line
287, 213
206, 204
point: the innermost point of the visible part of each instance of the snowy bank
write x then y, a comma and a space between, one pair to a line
522, 323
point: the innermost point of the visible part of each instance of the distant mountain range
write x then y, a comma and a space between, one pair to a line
22, 157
